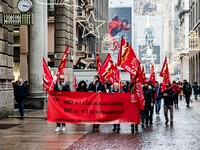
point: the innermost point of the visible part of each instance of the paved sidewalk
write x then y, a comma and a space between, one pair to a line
35, 133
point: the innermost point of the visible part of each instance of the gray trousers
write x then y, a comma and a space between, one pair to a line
170, 108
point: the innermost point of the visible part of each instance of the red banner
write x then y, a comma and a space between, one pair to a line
93, 108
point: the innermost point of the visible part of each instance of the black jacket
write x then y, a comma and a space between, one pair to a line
65, 88
148, 96
20, 91
187, 90
169, 99
93, 88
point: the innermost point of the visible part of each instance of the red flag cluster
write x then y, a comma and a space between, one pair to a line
164, 73
47, 77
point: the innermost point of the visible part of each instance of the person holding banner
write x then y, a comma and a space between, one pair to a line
82, 86
61, 85
96, 86
116, 90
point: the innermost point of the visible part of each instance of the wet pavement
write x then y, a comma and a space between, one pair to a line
34, 133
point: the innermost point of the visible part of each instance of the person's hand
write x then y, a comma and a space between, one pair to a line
165, 94
151, 104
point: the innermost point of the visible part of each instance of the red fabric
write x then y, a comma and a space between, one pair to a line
152, 76
127, 58
93, 108
98, 61
63, 62
176, 88
166, 78
47, 78
139, 95
107, 69
163, 67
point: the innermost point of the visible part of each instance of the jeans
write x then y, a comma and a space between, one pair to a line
176, 99
21, 107
158, 105
187, 97
59, 124
116, 126
170, 108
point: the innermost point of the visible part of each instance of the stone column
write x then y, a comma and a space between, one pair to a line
45, 31
36, 47
64, 24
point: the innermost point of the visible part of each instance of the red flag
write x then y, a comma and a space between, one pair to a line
127, 58
63, 62
143, 74
139, 96
163, 67
152, 76
116, 73
107, 69
47, 77
98, 63
166, 78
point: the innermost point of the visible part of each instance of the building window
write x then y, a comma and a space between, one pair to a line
50, 8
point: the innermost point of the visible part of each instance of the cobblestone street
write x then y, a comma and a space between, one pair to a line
37, 134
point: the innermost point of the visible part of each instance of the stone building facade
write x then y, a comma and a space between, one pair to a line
6, 61
194, 41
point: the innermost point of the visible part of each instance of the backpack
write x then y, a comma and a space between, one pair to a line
187, 88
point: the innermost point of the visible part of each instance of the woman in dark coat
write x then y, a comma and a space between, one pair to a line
82, 86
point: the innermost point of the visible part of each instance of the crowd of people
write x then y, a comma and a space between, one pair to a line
153, 95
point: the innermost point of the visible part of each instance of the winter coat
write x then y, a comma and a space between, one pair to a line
187, 90
20, 91
93, 87
65, 88
169, 99
148, 96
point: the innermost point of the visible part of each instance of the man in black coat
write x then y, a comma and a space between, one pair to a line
96, 86
187, 90
169, 98
148, 96
61, 85
20, 92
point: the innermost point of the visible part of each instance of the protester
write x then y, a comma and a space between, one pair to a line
96, 86
195, 88
168, 96
158, 98
153, 90
116, 90
20, 92
82, 86
177, 91
134, 127
180, 84
187, 90
148, 96
61, 85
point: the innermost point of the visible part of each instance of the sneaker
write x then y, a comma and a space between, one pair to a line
57, 129
63, 128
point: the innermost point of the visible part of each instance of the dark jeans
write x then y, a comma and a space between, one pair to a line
116, 126
21, 106
170, 108
151, 114
195, 95
95, 126
59, 124
176, 99
187, 97
158, 105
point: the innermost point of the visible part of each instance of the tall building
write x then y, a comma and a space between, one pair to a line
194, 40
6, 62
